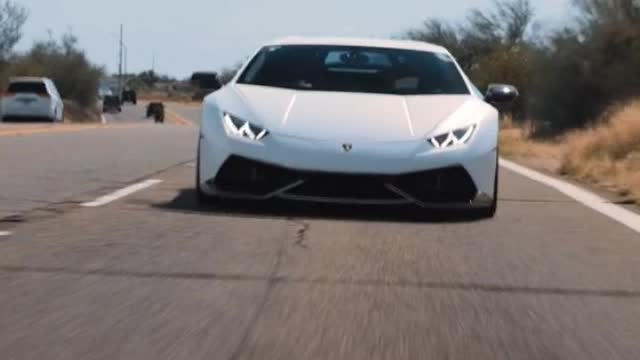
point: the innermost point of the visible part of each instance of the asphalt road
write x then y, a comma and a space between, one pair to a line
153, 276
129, 114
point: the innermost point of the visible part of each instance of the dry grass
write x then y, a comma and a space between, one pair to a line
607, 155
516, 143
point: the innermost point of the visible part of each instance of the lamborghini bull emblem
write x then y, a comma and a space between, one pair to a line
347, 147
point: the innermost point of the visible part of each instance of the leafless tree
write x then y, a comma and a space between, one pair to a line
12, 18
484, 31
620, 11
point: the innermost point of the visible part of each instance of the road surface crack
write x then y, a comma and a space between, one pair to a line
49, 209
302, 235
273, 280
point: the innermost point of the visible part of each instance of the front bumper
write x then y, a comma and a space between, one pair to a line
371, 173
244, 178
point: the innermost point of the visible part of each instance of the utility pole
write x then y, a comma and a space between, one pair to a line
153, 61
120, 63
126, 51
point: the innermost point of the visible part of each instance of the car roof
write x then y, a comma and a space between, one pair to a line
368, 42
28, 79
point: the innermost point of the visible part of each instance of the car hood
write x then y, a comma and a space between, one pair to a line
347, 116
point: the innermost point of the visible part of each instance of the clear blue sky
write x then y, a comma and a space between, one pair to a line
190, 35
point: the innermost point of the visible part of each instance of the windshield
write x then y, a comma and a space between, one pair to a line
33, 87
355, 69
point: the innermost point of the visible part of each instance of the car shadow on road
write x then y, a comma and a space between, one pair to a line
16, 120
186, 202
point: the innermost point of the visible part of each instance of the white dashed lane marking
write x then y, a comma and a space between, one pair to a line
119, 194
5, 233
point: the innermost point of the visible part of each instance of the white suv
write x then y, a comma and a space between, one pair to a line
32, 98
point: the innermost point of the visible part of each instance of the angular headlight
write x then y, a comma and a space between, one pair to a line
243, 129
453, 138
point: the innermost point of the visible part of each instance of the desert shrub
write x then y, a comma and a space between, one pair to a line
491, 46
585, 70
568, 76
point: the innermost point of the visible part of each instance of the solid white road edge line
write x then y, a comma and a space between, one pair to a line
587, 198
119, 194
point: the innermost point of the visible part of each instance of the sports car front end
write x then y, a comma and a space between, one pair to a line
432, 150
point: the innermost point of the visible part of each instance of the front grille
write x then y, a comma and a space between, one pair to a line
341, 186
446, 185
243, 176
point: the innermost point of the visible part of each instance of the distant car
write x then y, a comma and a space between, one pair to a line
111, 103
129, 96
104, 91
353, 121
205, 83
32, 98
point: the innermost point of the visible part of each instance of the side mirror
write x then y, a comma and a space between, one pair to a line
501, 94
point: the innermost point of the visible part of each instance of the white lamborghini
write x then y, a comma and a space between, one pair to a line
352, 121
